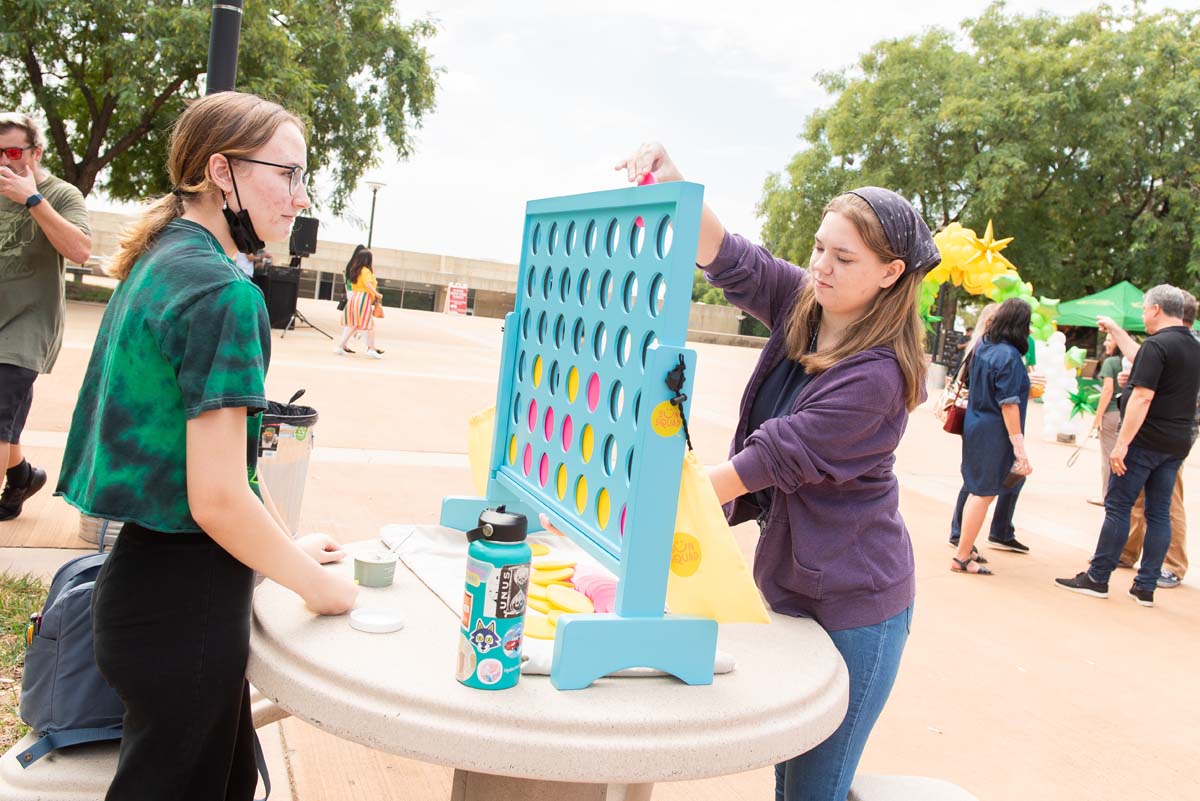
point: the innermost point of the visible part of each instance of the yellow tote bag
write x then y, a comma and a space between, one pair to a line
708, 575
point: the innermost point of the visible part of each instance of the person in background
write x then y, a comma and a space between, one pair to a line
1158, 413
1175, 563
43, 220
993, 447
1002, 528
360, 314
1108, 412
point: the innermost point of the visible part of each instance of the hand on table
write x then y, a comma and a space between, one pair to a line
322, 548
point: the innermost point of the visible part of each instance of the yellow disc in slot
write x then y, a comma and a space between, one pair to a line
537, 371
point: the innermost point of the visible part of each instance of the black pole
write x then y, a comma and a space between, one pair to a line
371, 227
223, 45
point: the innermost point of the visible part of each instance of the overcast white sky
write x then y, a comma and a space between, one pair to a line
540, 99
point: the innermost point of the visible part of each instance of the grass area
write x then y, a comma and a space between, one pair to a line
88, 292
19, 597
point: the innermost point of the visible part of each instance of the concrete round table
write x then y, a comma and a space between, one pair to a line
397, 693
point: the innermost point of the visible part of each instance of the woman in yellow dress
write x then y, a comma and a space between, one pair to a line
361, 308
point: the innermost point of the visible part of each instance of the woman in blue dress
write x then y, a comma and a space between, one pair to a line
993, 431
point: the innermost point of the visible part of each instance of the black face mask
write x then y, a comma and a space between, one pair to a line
245, 238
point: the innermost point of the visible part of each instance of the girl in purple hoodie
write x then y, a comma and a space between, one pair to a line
815, 442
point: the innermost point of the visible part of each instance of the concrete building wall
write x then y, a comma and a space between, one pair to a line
408, 275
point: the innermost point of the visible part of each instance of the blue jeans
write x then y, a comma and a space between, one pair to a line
872, 656
1144, 469
1002, 525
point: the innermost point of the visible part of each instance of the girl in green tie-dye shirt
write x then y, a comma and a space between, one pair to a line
164, 438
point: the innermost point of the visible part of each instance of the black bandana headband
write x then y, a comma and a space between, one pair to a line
906, 232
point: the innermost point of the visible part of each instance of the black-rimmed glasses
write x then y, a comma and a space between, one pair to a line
295, 171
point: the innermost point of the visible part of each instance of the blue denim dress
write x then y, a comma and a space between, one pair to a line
997, 377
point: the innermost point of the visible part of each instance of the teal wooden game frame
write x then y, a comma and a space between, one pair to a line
585, 430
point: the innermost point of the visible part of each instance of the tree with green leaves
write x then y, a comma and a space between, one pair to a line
1078, 136
109, 77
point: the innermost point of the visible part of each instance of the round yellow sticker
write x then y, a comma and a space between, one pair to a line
665, 420
685, 555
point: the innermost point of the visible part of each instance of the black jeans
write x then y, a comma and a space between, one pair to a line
171, 614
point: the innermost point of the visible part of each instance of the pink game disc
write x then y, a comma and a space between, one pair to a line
567, 432
593, 392
544, 470
528, 463
549, 426
533, 415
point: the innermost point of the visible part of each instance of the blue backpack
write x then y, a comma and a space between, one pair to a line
64, 699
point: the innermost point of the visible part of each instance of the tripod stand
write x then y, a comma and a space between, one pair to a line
297, 314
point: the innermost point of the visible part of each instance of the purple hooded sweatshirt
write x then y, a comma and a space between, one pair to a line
833, 546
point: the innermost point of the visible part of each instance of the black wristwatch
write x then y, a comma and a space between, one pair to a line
33, 200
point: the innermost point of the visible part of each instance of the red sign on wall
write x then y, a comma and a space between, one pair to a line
456, 299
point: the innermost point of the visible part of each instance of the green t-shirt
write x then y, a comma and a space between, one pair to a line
1111, 368
185, 333
31, 278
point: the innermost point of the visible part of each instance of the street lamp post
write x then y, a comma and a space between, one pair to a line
375, 187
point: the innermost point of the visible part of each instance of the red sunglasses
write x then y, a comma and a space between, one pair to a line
14, 153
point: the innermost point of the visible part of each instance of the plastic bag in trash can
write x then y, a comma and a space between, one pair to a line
284, 448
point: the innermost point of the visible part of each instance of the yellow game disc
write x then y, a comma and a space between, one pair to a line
551, 564
553, 615
545, 577
587, 443
540, 604
537, 548
572, 384
537, 591
539, 627
569, 600
537, 371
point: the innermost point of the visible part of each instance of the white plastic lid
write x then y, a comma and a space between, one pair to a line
376, 621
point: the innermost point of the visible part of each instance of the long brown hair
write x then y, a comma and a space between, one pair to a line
234, 123
891, 321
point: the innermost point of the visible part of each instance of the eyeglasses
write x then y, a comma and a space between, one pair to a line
295, 172
14, 153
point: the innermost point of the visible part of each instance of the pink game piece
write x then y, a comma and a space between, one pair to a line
622, 521
528, 463
533, 415
646, 180
549, 427
544, 470
568, 431
593, 392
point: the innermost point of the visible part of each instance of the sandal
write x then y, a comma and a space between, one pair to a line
962, 567
975, 555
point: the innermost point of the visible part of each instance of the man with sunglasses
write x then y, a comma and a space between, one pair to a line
42, 220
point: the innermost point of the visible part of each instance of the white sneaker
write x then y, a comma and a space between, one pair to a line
339, 350
374, 354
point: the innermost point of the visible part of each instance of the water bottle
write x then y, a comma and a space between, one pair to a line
494, 600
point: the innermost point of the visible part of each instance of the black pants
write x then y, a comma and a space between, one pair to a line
171, 614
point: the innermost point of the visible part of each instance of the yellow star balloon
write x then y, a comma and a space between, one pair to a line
989, 249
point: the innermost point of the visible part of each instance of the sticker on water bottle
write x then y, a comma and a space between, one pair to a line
466, 660
490, 671
477, 572
512, 641
507, 592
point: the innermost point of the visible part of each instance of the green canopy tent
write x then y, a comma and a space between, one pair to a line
1122, 302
